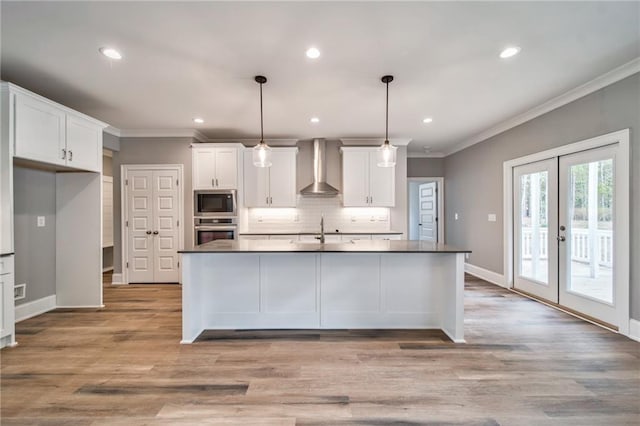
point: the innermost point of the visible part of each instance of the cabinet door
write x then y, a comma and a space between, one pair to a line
226, 168
39, 131
204, 164
84, 144
7, 316
282, 179
355, 176
382, 184
256, 183
165, 226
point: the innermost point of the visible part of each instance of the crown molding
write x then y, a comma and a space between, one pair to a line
597, 83
250, 142
425, 155
112, 131
374, 141
160, 133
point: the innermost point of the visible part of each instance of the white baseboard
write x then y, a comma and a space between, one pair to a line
107, 269
485, 274
117, 279
36, 307
634, 329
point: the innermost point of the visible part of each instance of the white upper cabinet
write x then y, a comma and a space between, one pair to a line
39, 131
364, 183
215, 167
84, 144
51, 133
273, 186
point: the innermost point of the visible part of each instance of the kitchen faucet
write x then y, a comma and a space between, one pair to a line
321, 237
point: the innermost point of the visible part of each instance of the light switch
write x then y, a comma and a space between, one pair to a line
40, 221
492, 217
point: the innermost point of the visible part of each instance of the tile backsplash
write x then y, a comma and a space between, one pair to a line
306, 217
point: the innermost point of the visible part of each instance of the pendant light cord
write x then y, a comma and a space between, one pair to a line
386, 131
261, 119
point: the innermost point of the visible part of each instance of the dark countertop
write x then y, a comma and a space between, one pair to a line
7, 254
316, 233
364, 246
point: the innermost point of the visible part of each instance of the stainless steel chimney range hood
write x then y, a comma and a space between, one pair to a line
319, 187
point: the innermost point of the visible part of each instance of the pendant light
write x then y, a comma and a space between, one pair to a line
387, 152
262, 151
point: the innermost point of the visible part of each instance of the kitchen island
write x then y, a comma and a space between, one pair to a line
265, 284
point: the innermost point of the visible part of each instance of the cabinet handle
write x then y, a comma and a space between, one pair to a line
270, 200
217, 182
213, 182
266, 200
70, 155
370, 200
64, 154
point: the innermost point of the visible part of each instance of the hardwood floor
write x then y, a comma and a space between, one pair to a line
524, 364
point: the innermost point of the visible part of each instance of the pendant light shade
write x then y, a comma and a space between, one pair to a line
262, 151
387, 153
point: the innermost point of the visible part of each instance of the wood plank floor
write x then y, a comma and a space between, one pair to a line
524, 364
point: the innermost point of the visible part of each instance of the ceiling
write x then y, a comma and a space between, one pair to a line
183, 60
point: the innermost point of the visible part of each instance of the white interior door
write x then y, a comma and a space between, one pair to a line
535, 188
165, 233
428, 212
588, 222
153, 231
140, 227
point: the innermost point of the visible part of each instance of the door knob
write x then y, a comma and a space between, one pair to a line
148, 232
155, 232
561, 238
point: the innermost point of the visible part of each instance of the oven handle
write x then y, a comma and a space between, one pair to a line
215, 228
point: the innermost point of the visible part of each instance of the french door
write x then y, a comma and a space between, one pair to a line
565, 232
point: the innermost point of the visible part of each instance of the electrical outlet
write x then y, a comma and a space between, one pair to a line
372, 219
353, 219
40, 221
492, 217
20, 291
259, 218
455, 216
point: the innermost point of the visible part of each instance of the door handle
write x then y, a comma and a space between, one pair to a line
148, 232
560, 238
155, 232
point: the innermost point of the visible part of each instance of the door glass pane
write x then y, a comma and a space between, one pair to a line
590, 232
534, 226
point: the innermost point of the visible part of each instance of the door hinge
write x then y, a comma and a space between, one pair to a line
178, 264
177, 223
177, 182
127, 265
126, 224
126, 182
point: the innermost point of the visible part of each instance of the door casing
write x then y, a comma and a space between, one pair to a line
124, 169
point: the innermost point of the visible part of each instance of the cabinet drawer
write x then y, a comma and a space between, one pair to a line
6, 265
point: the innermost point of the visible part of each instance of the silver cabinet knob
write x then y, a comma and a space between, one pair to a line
148, 232
561, 238
155, 232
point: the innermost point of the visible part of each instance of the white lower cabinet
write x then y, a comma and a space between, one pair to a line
7, 309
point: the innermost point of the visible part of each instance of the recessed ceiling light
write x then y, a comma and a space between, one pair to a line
198, 120
509, 52
110, 53
313, 53
314, 120
427, 120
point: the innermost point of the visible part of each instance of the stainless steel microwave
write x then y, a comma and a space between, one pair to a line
215, 203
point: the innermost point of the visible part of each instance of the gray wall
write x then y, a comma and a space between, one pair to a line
425, 167
150, 151
110, 142
34, 194
107, 165
474, 175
